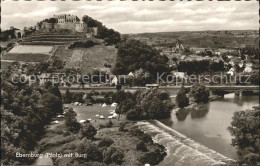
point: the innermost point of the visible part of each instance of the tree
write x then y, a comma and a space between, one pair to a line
88, 131
149, 104
217, 66
55, 91
113, 155
200, 93
245, 129
71, 122
90, 149
133, 55
182, 99
67, 97
52, 102
141, 146
105, 142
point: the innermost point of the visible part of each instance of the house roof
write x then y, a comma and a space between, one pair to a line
45, 75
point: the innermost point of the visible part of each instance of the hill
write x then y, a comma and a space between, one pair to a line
201, 39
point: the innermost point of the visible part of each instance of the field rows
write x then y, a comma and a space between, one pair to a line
26, 57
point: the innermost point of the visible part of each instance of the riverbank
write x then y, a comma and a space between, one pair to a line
124, 134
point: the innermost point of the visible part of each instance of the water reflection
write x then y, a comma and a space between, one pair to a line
208, 123
182, 113
199, 111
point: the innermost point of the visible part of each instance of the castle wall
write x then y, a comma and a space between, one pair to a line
95, 31
68, 25
47, 25
81, 27
57, 26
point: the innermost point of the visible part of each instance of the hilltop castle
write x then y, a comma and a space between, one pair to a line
66, 21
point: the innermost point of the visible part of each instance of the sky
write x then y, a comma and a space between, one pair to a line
141, 16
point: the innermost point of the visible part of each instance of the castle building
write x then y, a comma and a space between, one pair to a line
65, 18
67, 21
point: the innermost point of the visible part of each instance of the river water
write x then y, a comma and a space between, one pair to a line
199, 136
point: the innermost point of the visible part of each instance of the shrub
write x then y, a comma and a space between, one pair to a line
93, 154
132, 114
83, 44
182, 99
105, 142
117, 157
71, 122
245, 129
88, 131
141, 146
200, 93
113, 155
122, 127
152, 158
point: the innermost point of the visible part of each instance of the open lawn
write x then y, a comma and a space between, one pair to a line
89, 112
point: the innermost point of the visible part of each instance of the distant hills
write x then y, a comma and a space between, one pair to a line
202, 39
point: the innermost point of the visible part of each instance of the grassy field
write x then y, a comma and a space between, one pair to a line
90, 112
88, 58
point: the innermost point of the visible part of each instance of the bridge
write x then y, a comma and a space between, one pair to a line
218, 89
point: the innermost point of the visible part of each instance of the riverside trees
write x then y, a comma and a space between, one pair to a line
245, 129
147, 104
200, 93
133, 55
181, 98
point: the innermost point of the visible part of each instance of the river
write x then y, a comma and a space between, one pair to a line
199, 137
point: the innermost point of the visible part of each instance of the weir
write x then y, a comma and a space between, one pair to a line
181, 150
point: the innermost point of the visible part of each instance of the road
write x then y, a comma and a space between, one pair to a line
211, 87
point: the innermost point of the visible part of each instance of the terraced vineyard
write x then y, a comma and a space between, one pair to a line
88, 58
25, 57
50, 39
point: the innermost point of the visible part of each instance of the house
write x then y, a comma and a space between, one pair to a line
248, 69
131, 74
230, 56
231, 71
217, 53
153, 86
138, 72
241, 64
48, 77
231, 63
179, 74
114, 81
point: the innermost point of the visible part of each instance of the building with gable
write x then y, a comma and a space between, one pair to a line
67, 21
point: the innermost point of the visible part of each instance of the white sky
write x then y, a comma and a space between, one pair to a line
137, 17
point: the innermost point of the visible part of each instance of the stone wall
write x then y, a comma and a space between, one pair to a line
68, 25
81, 27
